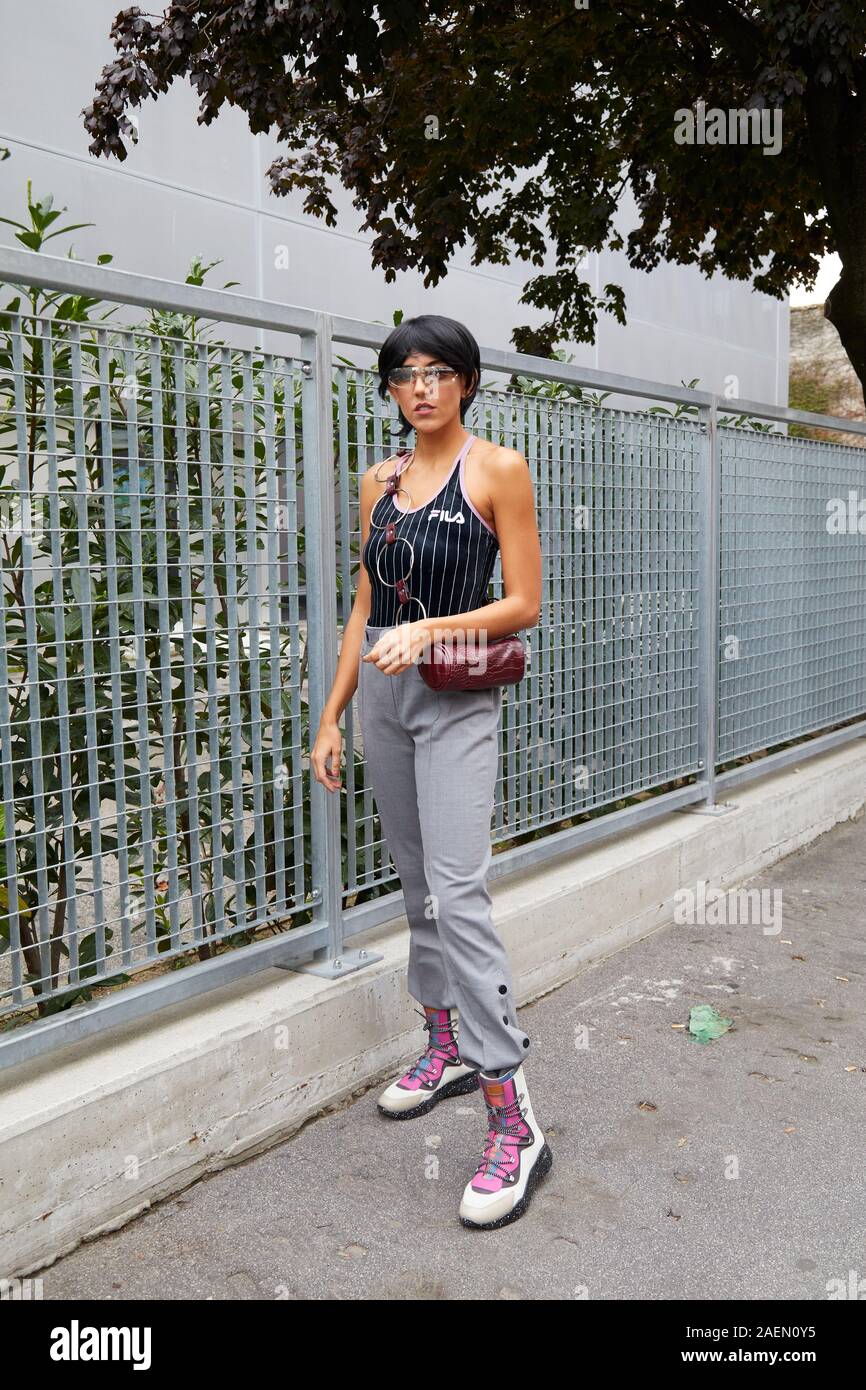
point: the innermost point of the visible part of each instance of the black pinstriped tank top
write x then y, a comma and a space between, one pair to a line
454, 553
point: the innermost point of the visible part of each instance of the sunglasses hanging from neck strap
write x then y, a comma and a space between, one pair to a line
392, 487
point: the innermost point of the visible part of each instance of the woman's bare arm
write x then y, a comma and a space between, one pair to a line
326, 752
346, 676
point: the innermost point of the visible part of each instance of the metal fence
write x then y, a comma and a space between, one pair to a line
793, 577
181, 542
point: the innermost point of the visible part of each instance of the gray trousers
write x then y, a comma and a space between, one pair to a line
433, 758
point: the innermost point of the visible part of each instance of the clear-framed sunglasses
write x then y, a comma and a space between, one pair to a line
402, 376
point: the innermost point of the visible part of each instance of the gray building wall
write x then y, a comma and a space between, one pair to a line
187, 189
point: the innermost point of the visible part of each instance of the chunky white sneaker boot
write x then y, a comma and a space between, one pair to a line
515, 1159
438, 1072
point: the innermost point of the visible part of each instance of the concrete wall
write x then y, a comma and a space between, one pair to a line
187, 189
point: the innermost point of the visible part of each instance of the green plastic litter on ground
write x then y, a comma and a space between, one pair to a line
705, 1024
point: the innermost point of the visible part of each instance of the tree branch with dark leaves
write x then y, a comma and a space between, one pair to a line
411, 108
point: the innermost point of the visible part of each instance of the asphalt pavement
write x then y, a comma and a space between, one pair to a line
727, 1169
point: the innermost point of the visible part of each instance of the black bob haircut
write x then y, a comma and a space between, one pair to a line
439, 337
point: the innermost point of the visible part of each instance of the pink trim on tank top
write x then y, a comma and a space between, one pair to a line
467, 500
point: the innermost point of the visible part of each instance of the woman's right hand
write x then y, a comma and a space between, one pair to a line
328, 747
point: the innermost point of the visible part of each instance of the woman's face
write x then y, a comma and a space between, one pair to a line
430, 404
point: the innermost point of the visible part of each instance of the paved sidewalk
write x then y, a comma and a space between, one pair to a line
728, 1170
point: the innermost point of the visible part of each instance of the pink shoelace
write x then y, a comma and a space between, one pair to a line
506, 1131
433, 1053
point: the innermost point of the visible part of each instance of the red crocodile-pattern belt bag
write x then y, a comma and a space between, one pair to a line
456, 665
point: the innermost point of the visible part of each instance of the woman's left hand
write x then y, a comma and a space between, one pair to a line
398, 648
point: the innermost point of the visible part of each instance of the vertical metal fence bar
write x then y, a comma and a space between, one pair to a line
654, 596
570, 608
631, 538
685, 581
662, 693
649, 456
582, 511
611, 607
136, 434
562, 683
210, 596
674, 717
321, 557
67, 871
599, 645
10, 852
290, 605
9, 827
253, 620
31, 663
273, 532
190, 814
538, 719
92, 657
633, 444
107, 500
169, 768
649, 451
230, 502
543, 733
618, 646
680, 492
708, 605
676, 618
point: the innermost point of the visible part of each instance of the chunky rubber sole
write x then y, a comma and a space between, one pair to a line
540, 1168
461, 1087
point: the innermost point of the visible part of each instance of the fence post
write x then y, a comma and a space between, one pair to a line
320, 531
708, 592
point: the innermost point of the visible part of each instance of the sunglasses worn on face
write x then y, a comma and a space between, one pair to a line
402, 376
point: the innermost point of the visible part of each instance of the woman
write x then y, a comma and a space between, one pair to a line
428, 552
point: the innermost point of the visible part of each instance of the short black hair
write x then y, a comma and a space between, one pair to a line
439, 337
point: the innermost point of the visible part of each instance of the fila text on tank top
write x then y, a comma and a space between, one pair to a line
454, 553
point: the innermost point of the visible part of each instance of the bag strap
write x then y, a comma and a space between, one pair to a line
393, 479
401, 459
